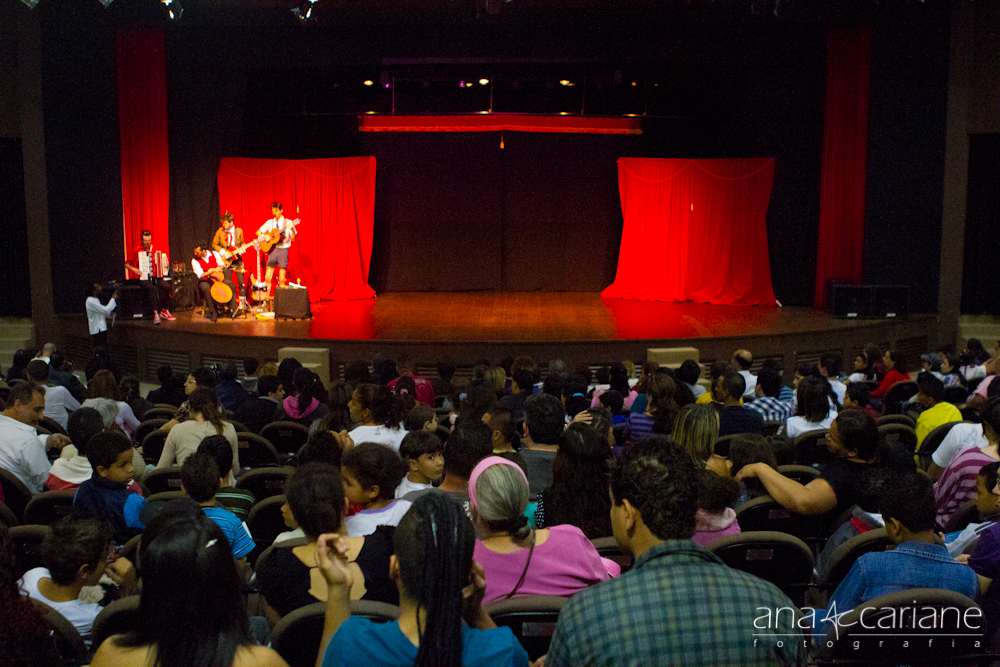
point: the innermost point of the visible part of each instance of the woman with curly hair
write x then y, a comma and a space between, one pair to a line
578, 495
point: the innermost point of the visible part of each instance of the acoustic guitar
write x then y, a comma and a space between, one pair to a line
270, 239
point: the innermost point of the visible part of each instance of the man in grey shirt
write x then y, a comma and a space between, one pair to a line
544, 421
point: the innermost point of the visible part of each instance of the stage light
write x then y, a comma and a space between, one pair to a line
564, 82
105, 3
483, 82
634, 83
31, 3
368, 82
174, 9
304, 10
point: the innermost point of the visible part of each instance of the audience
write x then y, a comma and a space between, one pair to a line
301, 406
441, 589
250, 378
192, 610
895, 371
22, 450
130, 392
813, 411
618, 380
661, 410
935, 412
741, 362
733, 418
858, 397
423, 455
257, 412
715, 517
230, 392
467, 445
560, 560
26, 638
688, 373
168, 392
370, 473
69, 473
64, 378
285, 578
544, 421
663, 601
205, 420
237, 501
379, 415
322, 447
522, 386
577, 496
956, 483
423, 387
768, 401
695, 431
58, 401
750, 448
829, 368
107, 495
104, 385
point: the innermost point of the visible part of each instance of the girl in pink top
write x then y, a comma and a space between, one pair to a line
715, 518
520, 561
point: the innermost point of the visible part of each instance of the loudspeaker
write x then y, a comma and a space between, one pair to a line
848, 300
891, 300
185, 291
291, 303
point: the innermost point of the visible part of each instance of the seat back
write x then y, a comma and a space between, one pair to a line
47, 508
897, 419
956, 394
7, 517
68, 640
256, 451
164, 496
265, 523
771, 428
287, 437
147, 427
152, 445
119, 617
801, 474
919, 626
16, 494
892, 403
52, 426
932, 441
765, 514
27, 541
810, 448
163, 479
901, 433
840, 561
607, 547
156, 412
532, 619
297, 636
784, 560
264, 482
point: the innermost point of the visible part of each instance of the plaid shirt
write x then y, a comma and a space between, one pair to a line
679, 605
771, 408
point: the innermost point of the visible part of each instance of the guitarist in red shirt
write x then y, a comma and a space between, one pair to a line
210, 269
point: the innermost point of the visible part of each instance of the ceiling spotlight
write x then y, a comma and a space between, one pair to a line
105, 3
483, 82
634, 83
564, 82
304, 10
174, 9
368, 82
31, 3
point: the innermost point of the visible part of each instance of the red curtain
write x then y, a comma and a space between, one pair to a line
334, 197
142, 121
845, 156
695, 230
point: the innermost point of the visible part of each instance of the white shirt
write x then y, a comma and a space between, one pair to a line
366, 521
282, 223
382, 434
973, 372
839, 388
289, 535
960, 438
58, 403
22, 453
751, 391
97, 314
196, 265
696, 389
80, 614
406, 486
796, 426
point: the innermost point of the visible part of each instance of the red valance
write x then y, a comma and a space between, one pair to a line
694, 230
490, 122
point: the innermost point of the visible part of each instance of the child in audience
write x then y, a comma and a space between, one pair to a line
421, 418
987, 506
715, 517
370, 473
439, 588
107, 495
200, 481
858, 397
76, 554
322, 447
192, 611
237, 501
423, 454
745, 449
379, 415
71, 472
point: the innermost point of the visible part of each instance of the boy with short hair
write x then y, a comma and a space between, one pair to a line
75, 554
930, 395
200, 481
859, 397
106, 495
237, 501
423, 454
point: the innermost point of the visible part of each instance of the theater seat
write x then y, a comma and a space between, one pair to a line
784, 560
297, 636
265, 523
532, 619
119, 617
843, 557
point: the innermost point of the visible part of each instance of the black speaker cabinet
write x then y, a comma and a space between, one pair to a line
291, 304
185, 291
848, 300
890, 300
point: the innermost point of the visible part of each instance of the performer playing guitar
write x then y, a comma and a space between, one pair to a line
210, 269
147, 265
279, 231
228, 237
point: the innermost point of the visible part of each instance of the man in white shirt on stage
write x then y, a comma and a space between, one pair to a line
278, 257
22, 450
97, 315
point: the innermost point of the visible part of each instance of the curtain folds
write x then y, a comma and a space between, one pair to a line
142, 120
694, 230
334, 197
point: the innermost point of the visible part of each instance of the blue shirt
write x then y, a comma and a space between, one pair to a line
113, 502
236, 531
910, 565
771, 409
359, 641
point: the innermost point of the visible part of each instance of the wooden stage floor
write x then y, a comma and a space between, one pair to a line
577, 327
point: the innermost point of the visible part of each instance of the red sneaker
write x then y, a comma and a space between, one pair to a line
165, 314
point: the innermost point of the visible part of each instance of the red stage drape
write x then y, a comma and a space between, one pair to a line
334, 197
845, 157
142, 121
695, 230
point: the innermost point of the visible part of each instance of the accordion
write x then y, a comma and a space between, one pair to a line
154, 264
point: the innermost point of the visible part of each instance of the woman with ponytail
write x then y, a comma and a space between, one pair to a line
204, 420
379, 413
517, 560
442, 622
301, 406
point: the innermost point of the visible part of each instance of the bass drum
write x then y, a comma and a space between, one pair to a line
221, 292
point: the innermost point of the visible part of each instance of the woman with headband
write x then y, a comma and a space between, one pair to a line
518, 560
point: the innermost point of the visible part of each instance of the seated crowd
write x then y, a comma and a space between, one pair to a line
443, 497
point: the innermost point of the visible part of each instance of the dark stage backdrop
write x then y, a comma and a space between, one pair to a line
981, 275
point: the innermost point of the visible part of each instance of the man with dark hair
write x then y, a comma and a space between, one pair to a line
829, 367
256, 413
741, 362
22, 450
167, 392
768, 402
97, 314
858, 397
210, 267
688, 373
445, 374
228, 390
282, 231
58, 401
237, 501
200, 481
64, 378
501, 423
680, 604
544, 422
787, 393
917, 560
733, 418
521, 387
406, 367
930, 395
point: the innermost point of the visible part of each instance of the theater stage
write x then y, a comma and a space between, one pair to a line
577, 327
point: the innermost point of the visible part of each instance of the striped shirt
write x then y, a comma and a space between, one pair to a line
237, 501
638, 425
236, 531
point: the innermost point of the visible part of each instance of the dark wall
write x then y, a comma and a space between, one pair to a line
15, 289
981, 275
